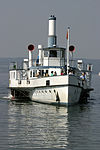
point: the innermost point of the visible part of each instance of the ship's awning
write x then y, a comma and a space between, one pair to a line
46, 67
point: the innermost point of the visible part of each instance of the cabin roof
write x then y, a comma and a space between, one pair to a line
54, 48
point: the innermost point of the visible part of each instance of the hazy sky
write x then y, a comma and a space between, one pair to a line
26, 21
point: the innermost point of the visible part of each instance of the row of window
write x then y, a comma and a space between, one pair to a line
37, 73
53, 53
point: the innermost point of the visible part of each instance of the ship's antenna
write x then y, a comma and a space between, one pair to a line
67, 49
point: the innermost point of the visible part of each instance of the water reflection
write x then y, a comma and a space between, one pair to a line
34, 125
80, 128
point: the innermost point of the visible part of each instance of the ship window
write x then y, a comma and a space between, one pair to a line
46, 71
12, 75
45, 53
42, 73
31, 73
34, 73
53, 53
58, 53
47, 82
63, 53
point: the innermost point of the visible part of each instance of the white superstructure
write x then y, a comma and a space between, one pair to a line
48, 79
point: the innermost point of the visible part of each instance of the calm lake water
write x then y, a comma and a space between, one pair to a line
29, 125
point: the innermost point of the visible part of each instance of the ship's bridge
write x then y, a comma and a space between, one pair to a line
52, 56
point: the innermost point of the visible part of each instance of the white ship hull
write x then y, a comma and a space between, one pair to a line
67, 95
60, 91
